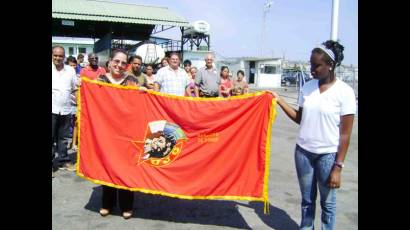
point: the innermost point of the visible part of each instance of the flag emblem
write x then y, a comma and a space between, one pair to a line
162, 143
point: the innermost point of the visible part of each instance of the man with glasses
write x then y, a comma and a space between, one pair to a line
206, 79
92, 71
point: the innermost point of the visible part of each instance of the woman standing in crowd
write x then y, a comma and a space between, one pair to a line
326, 111
193, 71
117, 75
150, 77
191, 85
80, 61
240, 86
71, 61
187, 67
225, 83
165, 62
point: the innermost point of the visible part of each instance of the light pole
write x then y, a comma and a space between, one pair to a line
266, 8
335, 19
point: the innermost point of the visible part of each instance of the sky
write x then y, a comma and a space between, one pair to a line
292, 27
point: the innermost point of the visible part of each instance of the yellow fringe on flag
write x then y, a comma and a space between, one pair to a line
272, 117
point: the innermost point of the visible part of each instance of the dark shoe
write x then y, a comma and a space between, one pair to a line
104, 212
69, 167
127, 215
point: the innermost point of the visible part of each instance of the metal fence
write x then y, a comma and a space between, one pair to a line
350, 75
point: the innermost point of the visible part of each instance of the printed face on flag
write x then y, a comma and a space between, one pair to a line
158, 146
147, 146
161, 138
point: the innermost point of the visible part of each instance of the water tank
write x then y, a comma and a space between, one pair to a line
200, 26
150, 53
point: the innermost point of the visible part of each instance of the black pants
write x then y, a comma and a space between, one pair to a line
109, 198
201, 94
204, 95
59, 133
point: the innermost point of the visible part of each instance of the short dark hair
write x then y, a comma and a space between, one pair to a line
240, 72
90, 54
224, 67
187, 62
71, 59
337, 50
174, 54
132, 57
165, 58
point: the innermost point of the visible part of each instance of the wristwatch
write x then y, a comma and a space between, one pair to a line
339, 164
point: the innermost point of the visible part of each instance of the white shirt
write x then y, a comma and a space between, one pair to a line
172, 81
319, 128
63, 83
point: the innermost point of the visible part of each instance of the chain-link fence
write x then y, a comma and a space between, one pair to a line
350, 75
293, 79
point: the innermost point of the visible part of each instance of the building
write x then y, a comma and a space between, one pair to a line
108, 25
197, 57
260, 72
74, 46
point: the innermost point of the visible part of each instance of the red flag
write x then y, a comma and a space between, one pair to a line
191, 148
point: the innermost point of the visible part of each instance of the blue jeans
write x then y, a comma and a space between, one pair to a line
313, 171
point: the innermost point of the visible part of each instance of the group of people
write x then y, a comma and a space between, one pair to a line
326, 112
193, 82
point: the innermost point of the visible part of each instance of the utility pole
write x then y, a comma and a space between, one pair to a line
335, 20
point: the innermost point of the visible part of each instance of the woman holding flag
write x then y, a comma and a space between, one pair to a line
117, 75
326, 111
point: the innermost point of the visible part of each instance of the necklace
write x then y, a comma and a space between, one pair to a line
114, 80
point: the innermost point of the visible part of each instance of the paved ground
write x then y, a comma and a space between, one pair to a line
75, 201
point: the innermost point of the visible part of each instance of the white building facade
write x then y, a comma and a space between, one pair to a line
74, 46
259, 72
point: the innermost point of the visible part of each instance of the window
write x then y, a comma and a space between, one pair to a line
269, 69
70, 51
82, 50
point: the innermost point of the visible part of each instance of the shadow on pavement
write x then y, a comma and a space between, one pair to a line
276, 219
205, 212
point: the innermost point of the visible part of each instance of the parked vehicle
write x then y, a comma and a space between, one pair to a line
291, 77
